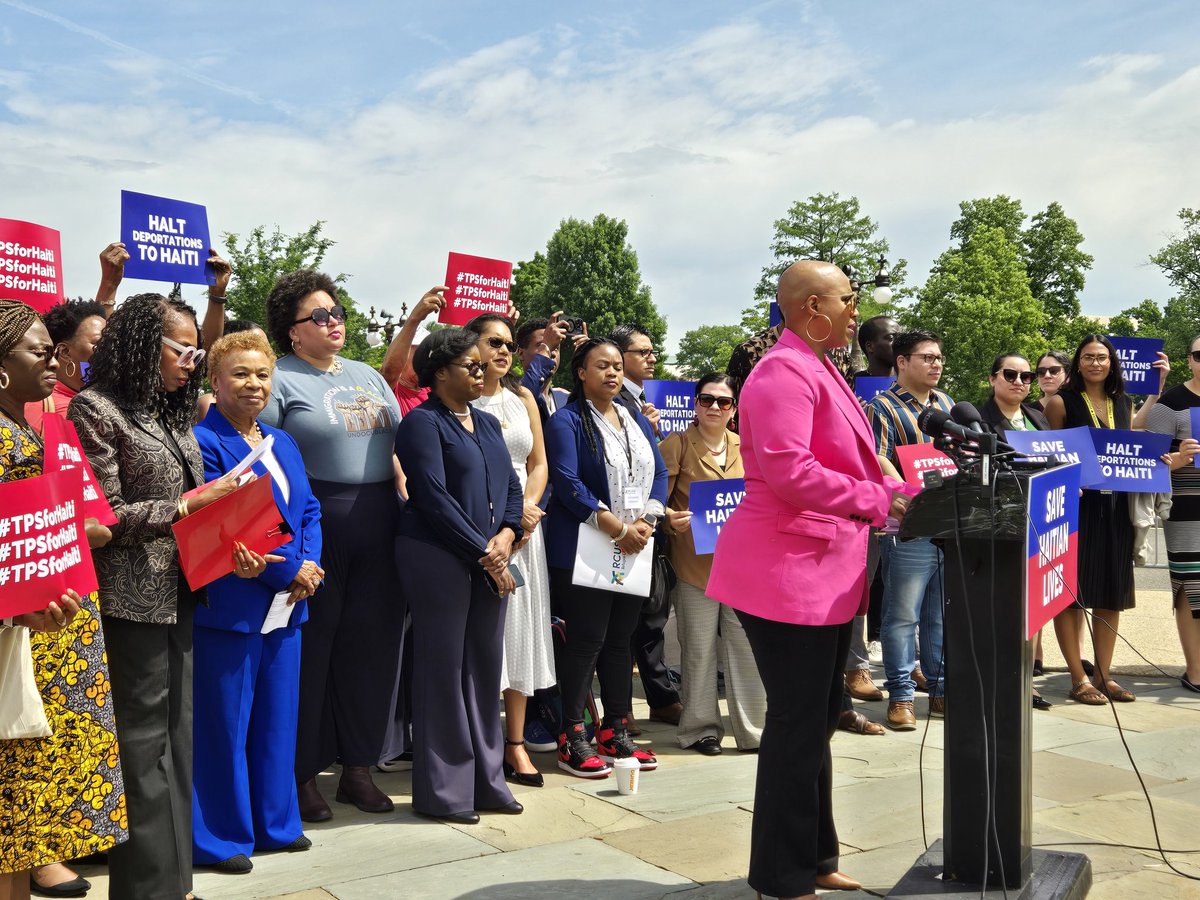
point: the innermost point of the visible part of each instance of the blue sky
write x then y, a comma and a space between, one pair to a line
419, 129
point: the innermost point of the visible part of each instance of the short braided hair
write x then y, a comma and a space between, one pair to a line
15, 320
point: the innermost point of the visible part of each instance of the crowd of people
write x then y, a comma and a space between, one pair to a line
436, 509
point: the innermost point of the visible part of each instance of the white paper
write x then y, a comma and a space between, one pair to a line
279, 614
255, 454
600, 564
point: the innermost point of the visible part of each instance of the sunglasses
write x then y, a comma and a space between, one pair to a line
474, 369
1195, 355
1043, 371
1011, 376
45, 354
322, 316
848, 299
644, 354
497, 342
188, 355
722, 403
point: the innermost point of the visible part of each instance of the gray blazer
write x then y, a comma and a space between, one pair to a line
142, 476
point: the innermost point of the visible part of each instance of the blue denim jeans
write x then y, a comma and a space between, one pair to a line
912, 595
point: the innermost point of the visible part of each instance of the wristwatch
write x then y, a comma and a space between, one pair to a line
651, 519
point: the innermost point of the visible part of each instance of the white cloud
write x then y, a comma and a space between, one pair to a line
700, 146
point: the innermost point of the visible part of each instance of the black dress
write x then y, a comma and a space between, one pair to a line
1105, 528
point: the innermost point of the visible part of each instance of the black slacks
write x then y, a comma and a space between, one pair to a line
793, 838
150, 670
352, 638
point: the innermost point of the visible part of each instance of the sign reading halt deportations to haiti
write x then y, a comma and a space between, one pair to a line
167, 240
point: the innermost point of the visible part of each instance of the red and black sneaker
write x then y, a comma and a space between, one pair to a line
613, 742
575, 754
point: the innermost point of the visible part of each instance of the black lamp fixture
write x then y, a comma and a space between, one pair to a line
881, 284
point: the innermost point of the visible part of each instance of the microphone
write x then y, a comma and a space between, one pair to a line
966, 415
937, 423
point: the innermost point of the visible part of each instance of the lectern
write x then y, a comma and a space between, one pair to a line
987, 810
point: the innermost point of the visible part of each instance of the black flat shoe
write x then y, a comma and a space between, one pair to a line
1188, 684
1041, 703
76, 887
1088, 669
299, 844
469, 817
513, 808
709, 746
1037, 668
529, 779
235, 865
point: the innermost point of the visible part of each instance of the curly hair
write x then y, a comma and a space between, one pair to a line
285, 299
238, 342
127, 363
64, 319
16, 318
440, 349
477, 325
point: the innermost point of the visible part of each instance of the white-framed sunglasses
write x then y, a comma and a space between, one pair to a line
187, 355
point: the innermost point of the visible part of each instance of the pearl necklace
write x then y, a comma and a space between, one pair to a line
461, 415
256, 432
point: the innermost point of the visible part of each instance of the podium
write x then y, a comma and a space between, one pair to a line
988, 676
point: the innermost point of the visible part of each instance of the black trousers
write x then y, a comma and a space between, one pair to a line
352, 638
648, 651
150, 670
793, 838
599, 625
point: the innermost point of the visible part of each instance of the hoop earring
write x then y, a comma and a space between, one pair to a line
295, 347
4, 381
70, 368
825, 337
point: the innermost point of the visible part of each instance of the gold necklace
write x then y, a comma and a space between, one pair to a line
1092, 411
486, 404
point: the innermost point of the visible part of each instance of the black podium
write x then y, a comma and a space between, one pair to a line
987, 813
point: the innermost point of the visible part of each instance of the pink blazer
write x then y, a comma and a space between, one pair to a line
795, 550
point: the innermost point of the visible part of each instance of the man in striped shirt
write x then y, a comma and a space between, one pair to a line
912, 570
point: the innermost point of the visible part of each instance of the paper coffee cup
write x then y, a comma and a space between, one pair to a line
628, 771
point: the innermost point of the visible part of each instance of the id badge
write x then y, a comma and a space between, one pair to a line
633, 501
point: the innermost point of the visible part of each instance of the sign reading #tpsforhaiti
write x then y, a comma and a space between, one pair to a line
167, 240
477, 285
30, 264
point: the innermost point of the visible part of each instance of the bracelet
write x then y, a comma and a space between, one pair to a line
624, 531
182, 507
212, 298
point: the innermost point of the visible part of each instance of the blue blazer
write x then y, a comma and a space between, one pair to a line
580, 482
241, 604
462, 487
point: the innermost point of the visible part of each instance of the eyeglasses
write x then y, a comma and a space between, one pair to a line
1043, 371
188, 355
497, 342
722, 403
644, 354
46, 353
1097, 358
848, 299
474, 369
1195, 355
322, 316
1011, 376
928, 358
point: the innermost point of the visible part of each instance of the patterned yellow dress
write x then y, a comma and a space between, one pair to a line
61, 797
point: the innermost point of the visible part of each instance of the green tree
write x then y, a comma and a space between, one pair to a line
1055, 264
261, 258
1000, 212
707, 349
591, 271
978, 301
1180, 258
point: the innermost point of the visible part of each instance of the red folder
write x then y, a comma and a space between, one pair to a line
207, 537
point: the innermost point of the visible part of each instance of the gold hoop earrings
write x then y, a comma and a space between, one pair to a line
69, 369
808, 333
295, 347
4, 381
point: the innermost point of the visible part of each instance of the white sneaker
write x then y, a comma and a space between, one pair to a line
875, 653
401, 763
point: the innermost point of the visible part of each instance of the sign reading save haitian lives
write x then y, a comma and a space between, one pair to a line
30, 264
1129, 460
675, 402
477, 285
917, 459
1051, 545
167, 240
711, 503
1067, 445
1138, 356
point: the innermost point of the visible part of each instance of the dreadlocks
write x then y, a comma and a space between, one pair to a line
127, 362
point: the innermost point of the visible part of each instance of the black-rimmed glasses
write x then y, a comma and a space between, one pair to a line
46, 353
474, 369
497, 342
644, 354
1043, 371
707, 400
322, 316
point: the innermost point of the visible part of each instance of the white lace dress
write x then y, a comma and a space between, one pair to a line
528, 650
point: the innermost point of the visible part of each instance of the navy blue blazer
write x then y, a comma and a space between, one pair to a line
462, 488
241, 604
580, 481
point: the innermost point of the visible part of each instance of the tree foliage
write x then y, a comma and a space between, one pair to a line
707, 349
978, 301
1180, 258
589, 270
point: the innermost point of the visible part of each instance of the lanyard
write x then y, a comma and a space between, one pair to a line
624, 434
1092, 412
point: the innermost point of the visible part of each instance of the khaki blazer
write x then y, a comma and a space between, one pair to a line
688, 460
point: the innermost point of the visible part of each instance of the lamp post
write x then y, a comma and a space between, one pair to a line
881, 292
379, 332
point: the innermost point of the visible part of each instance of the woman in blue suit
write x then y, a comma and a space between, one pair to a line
247, 682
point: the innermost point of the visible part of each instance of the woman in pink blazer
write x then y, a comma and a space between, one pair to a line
792, 562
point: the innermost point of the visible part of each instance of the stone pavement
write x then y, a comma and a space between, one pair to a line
686, 833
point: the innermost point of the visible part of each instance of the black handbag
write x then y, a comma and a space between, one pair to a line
662, 580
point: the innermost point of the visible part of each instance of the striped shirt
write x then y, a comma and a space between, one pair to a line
893, 417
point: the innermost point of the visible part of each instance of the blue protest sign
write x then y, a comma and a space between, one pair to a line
1137, 356
675, 402
711, 503
1195, 416
1129, 460
1051, 545
867, 386
167, 240
776, 314
1068, 445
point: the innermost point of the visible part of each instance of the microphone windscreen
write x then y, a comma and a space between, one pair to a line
966, 414
932, 421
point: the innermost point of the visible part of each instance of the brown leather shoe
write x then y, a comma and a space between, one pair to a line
357, 787
856, 723
837, 881
900, 716
937, 707
634, 728
860, 685
920, 680
669, 714
313, 807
